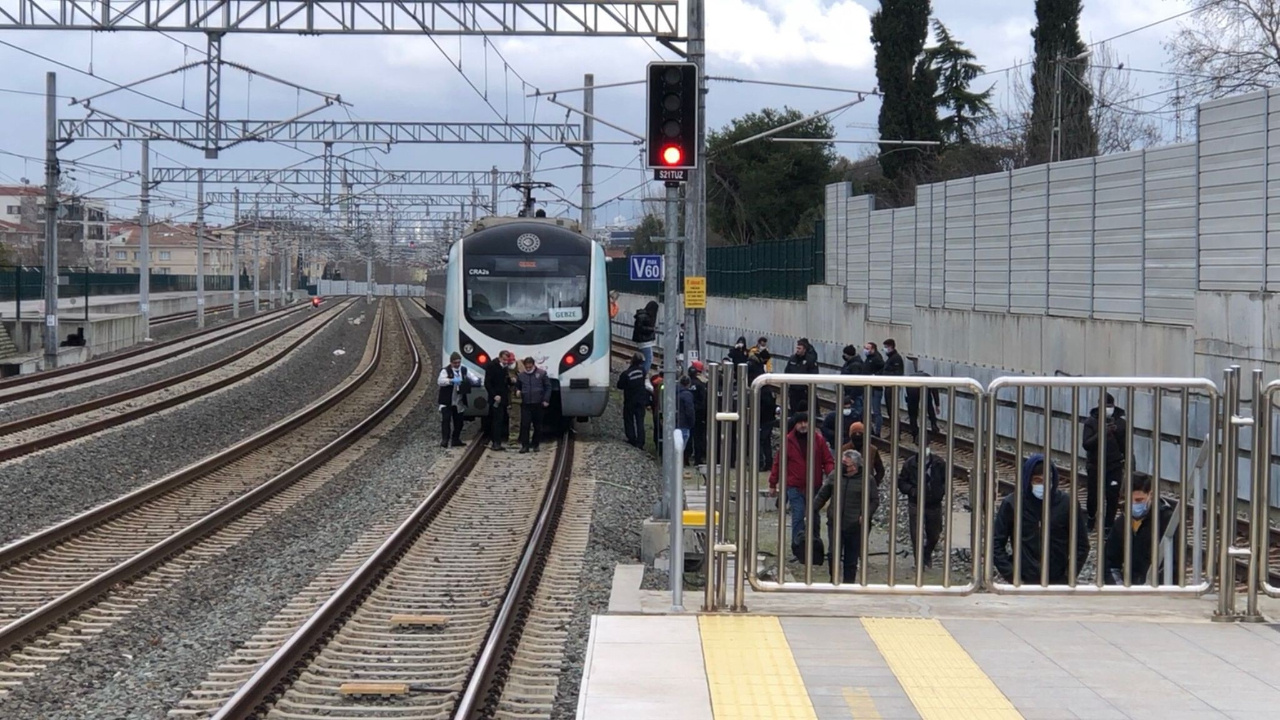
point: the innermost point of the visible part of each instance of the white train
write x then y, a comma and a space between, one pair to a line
536, 287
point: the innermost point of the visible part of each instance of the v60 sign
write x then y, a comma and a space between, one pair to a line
646, 268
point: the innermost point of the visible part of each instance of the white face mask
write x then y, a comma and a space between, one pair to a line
1111, 410
1038, 491
848, 412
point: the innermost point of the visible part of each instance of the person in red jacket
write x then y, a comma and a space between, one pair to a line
797, 471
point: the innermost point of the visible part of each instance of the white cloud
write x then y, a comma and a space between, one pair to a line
789, 32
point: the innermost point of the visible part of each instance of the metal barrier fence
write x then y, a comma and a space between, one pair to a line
1015, 540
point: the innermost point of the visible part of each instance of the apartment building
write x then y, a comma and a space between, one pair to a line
82, 225
172, 250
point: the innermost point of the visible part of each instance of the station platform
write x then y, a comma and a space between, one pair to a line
929, 658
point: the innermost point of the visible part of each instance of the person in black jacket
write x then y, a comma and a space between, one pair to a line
844, 416
767, 410
738, 353
685, 408
804, 361
644, 332
935, 483
873, 364
1035, 493
497, 385
635, 397
656, 407
853, 366
1111, 470
696, 451
913, 408
1142, 501
894, 366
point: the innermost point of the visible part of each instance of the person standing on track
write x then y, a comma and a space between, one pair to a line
935, 494
631, 382
497, 385
913, 408
455, 384
696, 451
1140, 544
873, 364
852, 529
794, 445
1109, 470
804, 361
894, 366
656, 407
535, 396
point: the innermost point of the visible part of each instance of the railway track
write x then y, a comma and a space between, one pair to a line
61, 586
47, 381
431, 623
1008, 470
56, 427
191, 314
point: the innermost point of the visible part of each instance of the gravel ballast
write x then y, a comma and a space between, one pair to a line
55, 484
167, 369
144, 665
628, 481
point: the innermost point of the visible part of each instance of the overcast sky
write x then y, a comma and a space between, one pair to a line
818, 42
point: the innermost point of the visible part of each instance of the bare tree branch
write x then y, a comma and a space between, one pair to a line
1231, 46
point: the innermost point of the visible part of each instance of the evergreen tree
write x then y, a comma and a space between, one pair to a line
955, 68
1057, 42
899, 30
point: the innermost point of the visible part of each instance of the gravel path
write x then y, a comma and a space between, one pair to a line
628, 481
142, 666
52, 485
198, 358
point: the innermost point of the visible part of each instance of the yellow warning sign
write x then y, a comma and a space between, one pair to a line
695, 293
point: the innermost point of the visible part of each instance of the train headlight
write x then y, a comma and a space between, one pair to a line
584, 349
468, 348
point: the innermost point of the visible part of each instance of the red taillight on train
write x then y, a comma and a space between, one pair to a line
569, 359
482, 358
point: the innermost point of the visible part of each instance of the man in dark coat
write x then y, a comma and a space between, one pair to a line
1109, 471
1035, 493
935, 494
644, 333
913, 408
1145, 504
497, 386
535, 396
635, 397
894, 366
804, 361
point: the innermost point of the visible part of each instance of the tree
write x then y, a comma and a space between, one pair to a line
955, 68
1121, 127
761, 190
1231, 46
899, 30
1057, 50
642, 240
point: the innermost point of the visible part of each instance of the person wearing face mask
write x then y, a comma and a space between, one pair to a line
455, 383
497, 385
761, 350
1035, 493
852, 529
843, 416
853, 366
1109, 471
855, 441
1144, 504
798, 460
935, 494
738, 353
873, 364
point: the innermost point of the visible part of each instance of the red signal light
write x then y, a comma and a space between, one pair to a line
671, 155
568, 359
482, 358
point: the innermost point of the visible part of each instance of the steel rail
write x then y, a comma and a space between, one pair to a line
58, 438
78, 368
484, 687
45, 418
304, 642
39, 620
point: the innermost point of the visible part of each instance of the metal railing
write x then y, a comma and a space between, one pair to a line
1107, 576
932, 490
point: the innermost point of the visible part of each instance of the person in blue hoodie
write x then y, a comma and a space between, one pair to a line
685, 415
1037, 490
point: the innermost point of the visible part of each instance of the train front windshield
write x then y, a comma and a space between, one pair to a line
529, 299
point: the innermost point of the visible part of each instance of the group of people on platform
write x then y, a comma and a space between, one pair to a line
642, 393
503, 383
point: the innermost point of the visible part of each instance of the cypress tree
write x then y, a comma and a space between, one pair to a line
899, 30
1057, 40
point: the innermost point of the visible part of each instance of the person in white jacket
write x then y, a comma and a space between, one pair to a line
455, 384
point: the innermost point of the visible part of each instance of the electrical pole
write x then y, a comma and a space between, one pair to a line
695, 208
1055, 140
144, 220
235, 256
527, 178
493, 192
670, 384
51, 223
200, 248
1177, 110
257, 260
588, 152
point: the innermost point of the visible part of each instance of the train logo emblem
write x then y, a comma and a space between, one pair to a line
528, 242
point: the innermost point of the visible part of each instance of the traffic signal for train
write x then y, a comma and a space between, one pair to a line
672, 128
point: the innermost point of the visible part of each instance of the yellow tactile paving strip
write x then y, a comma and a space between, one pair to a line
750, 670
939, 677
